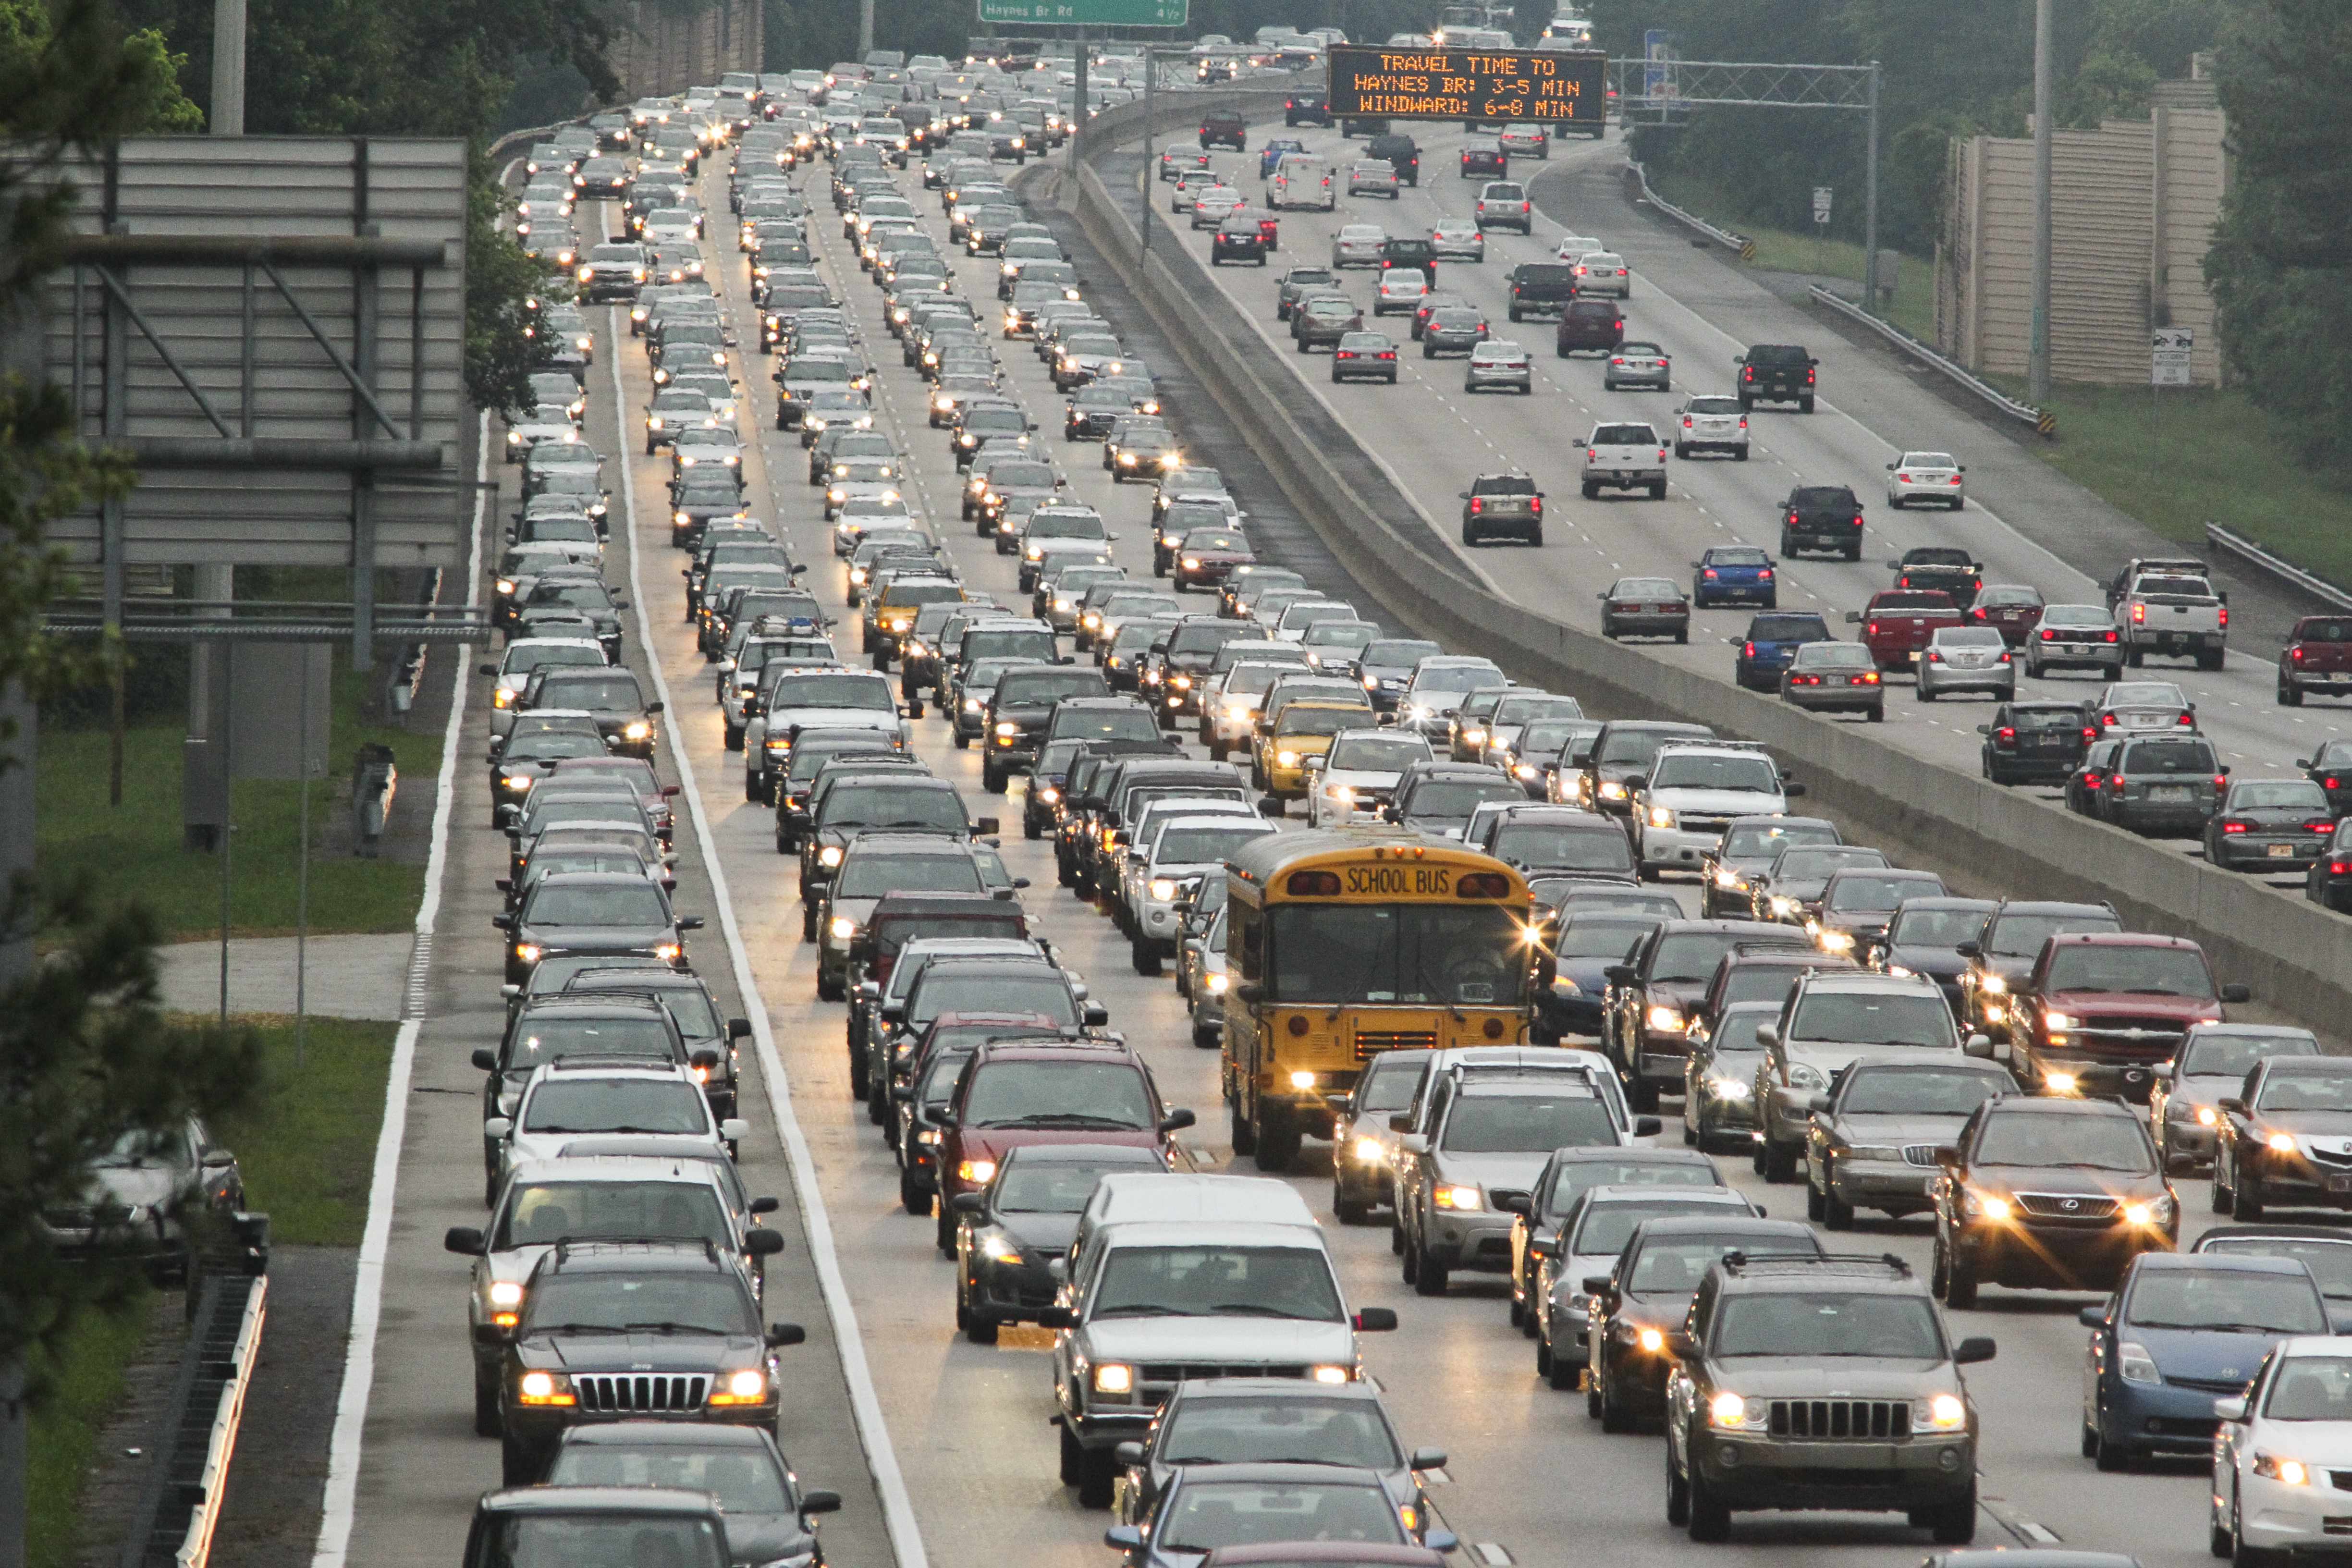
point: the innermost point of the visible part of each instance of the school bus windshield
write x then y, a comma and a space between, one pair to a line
1402, 954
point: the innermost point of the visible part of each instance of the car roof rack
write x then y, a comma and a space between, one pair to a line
1849, 1263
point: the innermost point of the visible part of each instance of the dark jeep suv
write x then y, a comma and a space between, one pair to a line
1502, 506
1776, 373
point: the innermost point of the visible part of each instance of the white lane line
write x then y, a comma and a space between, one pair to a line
864, 1404
1492, 1554
340, 1507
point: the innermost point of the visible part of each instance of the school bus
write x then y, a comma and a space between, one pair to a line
1346, 943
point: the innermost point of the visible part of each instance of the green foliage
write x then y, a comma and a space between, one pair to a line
86, 1373
306, 1145
2280, 266
500, 355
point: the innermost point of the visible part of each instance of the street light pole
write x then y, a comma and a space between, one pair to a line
1870, 203
2037, 352
864, 28
229, 69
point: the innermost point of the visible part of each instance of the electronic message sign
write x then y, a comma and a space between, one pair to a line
1565, 88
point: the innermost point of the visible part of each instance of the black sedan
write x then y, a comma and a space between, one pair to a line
595, 912
1006, 1233
1238, 238
2330, 768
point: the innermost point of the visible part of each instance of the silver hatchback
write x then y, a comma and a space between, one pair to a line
1639, 364
1967, 659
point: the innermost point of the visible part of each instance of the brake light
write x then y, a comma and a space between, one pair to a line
1764, 574
1792, 516
2225, 614
1870, 630
1618, 360
2107, 721
2005, 736
2111, 635
1903, 582
1686, 424
1747, 652
1476, 505
2317, 826
2295, 654
1536, 505
2116, 782
2327, 783
2221, 782
2337, 867
2089, 735
2139, 614
2233, 827
1708, 572
1933, 657
1902, 479
1857, 520
1955, 478
2188, 719
1871, 679
1809, 378
2048, 636
1804, 681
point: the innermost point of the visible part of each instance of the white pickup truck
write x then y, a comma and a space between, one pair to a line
1625, 457
2173, 614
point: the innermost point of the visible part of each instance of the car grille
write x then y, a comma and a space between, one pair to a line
1173, 1373
2341, 1480
1693, 822
1889, 1419
2067, 1205
1919, 1154
2339, 1157
1369, 1044
2180, 1425
640, 1392
2162, 1034
2231, 1386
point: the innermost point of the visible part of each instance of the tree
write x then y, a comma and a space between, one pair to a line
2281, 265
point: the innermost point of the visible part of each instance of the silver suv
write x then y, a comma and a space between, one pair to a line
1832, 1020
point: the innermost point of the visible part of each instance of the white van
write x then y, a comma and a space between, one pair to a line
1125, 1197
1302, 180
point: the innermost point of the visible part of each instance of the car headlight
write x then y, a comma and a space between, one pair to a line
1664, 1018
748, 1386
1459, 1199
529, 952
637, 730
1217, 985
2280, 1142
977, 1172
996, 1249
1651, 1340
2056, 1020
2206, 1115
829, 856
1805, 1076
1285, 759
844, 928
1006, 730
1975, 1204
2285, 1471
1944, 1413
1994, 985
1162, 889
1114, 1377
1837, 941
1728, 1412
1611, 790
1328, 1373
505, 1293
1730, 1087
1661, 817
519, 781
1782, 906
544, 1388
1371, 1150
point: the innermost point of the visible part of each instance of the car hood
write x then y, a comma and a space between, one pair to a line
1935, 962
833, 719
1720, 801
1680, 994
1512, 1173
1225, 1341
2204, 1355
1875, 1128
757, 1538
991, 1142
2186, 1009
1043, 1233
577, 938
2326, 1129
2064, 1181
1848, 1377
643, 1351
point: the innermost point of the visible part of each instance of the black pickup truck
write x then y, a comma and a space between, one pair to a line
1541, 289
1776, 373
1419, 255
1942, 568
1822, 517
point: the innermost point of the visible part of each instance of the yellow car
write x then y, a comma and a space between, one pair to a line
1302, 731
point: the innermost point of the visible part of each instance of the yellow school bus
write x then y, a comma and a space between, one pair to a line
1346, 943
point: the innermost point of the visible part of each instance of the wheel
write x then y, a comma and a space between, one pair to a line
488, 1423
1677, 1494
831, 990
1614, 1417
1430, 1279
1958, 1280
1543, 1355
2134, 657
1074, 1456
2245, 1196
1408, 1260
1240, 1132
2112, 1457
518, 1467
1352, 1211
1591, 491
1812, 1201
1954, 1523
1740, 456
980, 1331
1804, 406
1658, 490
1145, 955
1276, 1140
2218, 1539
1559, 1372
2289, 695
1681, 451
1644, 1095
1836, 1213
2220, 1194
1780, 1162
1710, 1520
992, 777
1469, 534
1923, 693
911, 1198
2241, 1554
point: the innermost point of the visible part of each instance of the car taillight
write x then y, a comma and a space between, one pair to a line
1388, 354
2004, 736
2317, 826
1804, 681
2225, 614
1748, 651
1764, 574
1857, 520
1661, 454
2107, 721
1809, 378
2111, 635
2048, 636
2329, 783
1933, 657
2295, 654
1870, 630
2139, 614
2339, 868
1902, 479
2233, 827
1536, 505
1792, 516
1618, 360
2220, 781
1954, 480
1476, 505
2188, 719
1903, 582
1708, 572
1870, 679
2089, 735
1686, 424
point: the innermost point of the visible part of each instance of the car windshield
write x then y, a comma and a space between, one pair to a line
1451, 801
1619, 746
2298, 794
2193, 757
1205, 1515
2226, 1053
2306, 1091
1403, 952
1203, 845
605, 904
607, 694
1562, 846
1936, 927
1048, 1188
525, 657
1762, 840
1040, 1094
2141, 971
1820, 862
887, 805
2071, 1142
1693, 955
1388, 1085
1301, 720
1854, 892
1606, 1226
543, 1040
2311, 1388
873, 876
704, 1302
2022, 935
534, 1541
1685, 770
644, 1105
1676, 1267
1915, 1091
1457, 677
1823, 1324
1375, 754
1735, 1030
1396, 653
1217, 1282
544, 1213
1271, 1430
1526, 1123
744, 1479
2329, 1259
2227, 1299
1042, 688
1031, 988
835, 692
1574, 1178
1865, 1018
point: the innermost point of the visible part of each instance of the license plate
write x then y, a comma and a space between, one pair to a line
2142, 722
2280, 851
2075, 648
2172, 792
1914, 656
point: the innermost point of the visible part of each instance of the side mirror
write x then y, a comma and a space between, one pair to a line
1679, 1342
1970, 949
820, 1502
689, 922
1594, 1284
1056, 1318
465, 1240
498, 1126
1413, 1144
1375, 1320
782, 1334
650, 707
734, 1130
1947, 1157
1442, 1540
763, 1242
1791, 791
1854, 617
1769, 1034
503, 922
1647, 1127
2094, 1317
987, 826
1621, 975
1177, 1119
1123, 1538
766, 1205
1400, 1121
904, 1093
1894, 566
486, 1059
739, 1028
2231, 1410
1817, 1102
1096, 1018
1128, 1453
487, 669
2233, 1105
1544, 1245
969, 1203
2237, 993
1512, 1202
1980, 1045
1976, 1348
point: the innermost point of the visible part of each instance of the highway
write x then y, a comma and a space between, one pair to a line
2026, 523
1530, 1479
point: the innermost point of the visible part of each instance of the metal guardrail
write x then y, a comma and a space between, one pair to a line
187, 1478
1740, 245
2043, 421
195, 1550
2231, 542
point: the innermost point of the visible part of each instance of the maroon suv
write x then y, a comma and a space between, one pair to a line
1596, 326
2102, 1011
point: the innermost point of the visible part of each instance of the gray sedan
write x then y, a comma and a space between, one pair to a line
1495, 364
1452, 328
1967, 659
1638, 365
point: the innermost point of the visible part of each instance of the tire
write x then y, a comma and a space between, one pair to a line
832, 990
1559, 1372
980, 1331
1239, 1133
1836, 1213
518, 1467
1430, 1278
1710, 1520
1276, 1143
1954, 1523
1543, 1355
1804, 406
1591, 491
2134, 657
911, 1198
1923, 694
1681, 451
1677, 1495
1144, 954
2241, 1554
1348, 1210
1959, 1281
992, 777
1074, 1456
2245, 1196
1614, 1417
2289, 695
487, 1421
1813, 1210
1780, 1162
2113, 1458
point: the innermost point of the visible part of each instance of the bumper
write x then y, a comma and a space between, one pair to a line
2185, 1144
2272, 1517
1663, 1059
1671, 848
1516, 380
1838, 700
1758, 1473
2002, 679
1894, 1186
2281, 854
1480, 1242
2051, 1257
2164, 1416
1008, 1292
537, 1430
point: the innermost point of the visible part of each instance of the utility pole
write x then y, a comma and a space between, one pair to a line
1079, 94
865, 28
2037, 349
1150, 163
228, 67
1870, 201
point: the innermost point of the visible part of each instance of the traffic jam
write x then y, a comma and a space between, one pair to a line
1575, 1005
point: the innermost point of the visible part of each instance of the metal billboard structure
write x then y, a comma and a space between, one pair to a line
273, 327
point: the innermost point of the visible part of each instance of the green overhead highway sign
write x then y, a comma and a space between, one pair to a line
1087, 13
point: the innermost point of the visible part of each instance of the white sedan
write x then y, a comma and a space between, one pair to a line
1930, 477
1459, 240
2280, 1450
1576, 247
1603, 272
1215, 204
1357, 245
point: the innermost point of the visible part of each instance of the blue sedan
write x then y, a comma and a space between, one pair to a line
2184, 1329
1582, 953
1772, 640
1734, 575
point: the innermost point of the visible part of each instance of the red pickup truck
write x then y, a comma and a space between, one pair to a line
2317, 661
1900, 621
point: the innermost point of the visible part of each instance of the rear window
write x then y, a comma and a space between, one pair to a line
2183, 757
1777, 355
2329, 630
1921, 601
1823, 495
1545, 272
1788, 628
2039, 719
